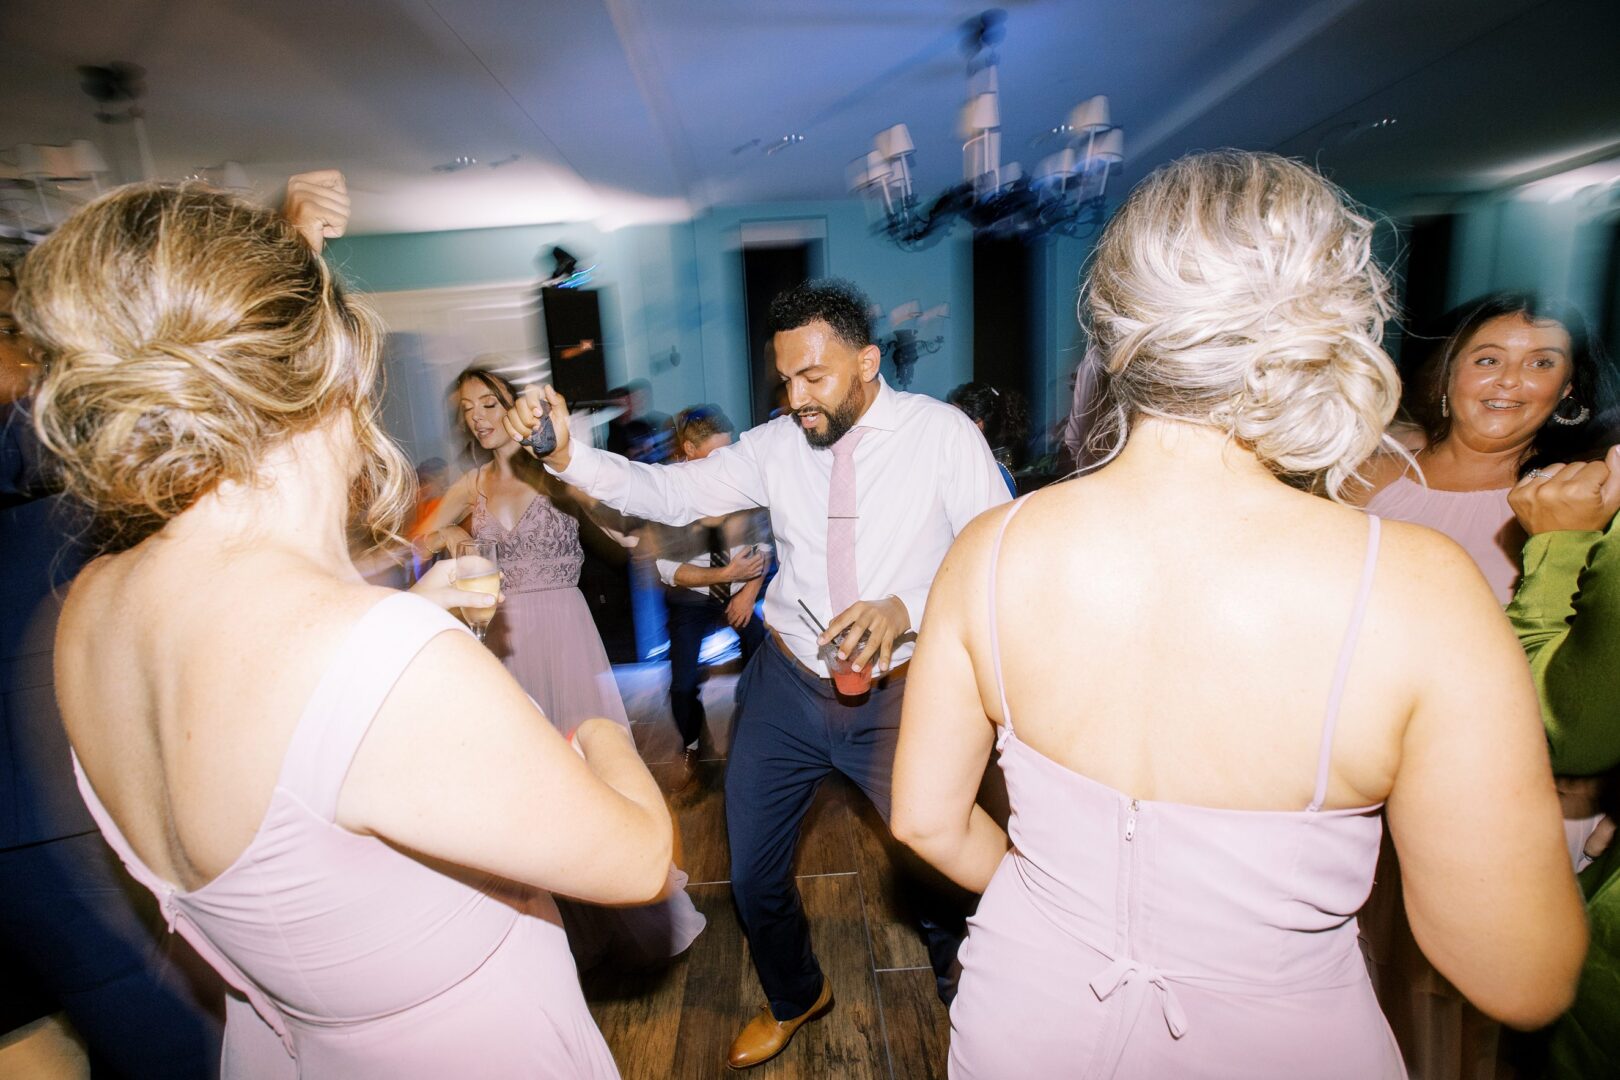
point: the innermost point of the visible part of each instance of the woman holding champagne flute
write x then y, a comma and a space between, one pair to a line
543, 631
278, 751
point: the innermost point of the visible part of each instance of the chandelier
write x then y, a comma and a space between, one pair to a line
1065, 196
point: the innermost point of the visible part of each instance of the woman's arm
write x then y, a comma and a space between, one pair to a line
1472, 810
945, 731
432, 533
1567, 609
459, 765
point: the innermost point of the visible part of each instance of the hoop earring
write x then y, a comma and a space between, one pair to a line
1582, 416
1445, 407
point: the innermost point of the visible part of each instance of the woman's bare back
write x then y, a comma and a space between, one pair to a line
181, 674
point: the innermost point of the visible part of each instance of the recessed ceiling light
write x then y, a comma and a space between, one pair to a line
456, 164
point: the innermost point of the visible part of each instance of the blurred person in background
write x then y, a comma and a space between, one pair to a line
1516, 381
1002, 418
74, 934
1567, 614
712, 571
543, 632
1206, 684
256, 730
638, 432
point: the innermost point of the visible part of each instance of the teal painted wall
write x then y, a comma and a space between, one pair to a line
672, 295
1510, 241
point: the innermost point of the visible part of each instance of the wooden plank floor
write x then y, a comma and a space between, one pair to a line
887, 1023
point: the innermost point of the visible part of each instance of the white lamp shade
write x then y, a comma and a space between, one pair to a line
1090, 115
89, 158
905, 313
1058, 166
866, 171
982, 113
1110, 146
30, 162
893, 142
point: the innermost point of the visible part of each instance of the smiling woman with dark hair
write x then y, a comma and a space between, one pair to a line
1516, 384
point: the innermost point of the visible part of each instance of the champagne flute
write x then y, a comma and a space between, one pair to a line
478, 569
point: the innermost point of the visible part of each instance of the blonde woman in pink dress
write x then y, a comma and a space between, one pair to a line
333, 792
545, 636
1206, 683
1515, 382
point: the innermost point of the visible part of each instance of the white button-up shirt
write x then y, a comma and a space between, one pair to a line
922, 472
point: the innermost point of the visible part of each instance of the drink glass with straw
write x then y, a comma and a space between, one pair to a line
478, 570
846, 680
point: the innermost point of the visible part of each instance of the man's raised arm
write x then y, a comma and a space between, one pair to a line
725, 481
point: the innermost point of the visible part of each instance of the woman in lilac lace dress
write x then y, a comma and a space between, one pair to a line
545, 636
543, 631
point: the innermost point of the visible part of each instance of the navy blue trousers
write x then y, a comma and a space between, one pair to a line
691, 618
69, 917
791, 731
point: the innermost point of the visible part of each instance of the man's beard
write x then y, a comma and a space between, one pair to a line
838, 422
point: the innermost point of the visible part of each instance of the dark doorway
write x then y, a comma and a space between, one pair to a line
1008, 315
769, 269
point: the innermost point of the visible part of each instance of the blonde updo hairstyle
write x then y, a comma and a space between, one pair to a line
187, 331
1238, 290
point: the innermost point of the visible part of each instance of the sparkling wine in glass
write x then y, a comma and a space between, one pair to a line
478, 569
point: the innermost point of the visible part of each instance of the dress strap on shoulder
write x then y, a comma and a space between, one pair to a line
1341, 671
995, 636
374, 654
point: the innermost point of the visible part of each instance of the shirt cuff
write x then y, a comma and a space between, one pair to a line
666, 571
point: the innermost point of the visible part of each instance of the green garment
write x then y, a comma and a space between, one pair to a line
1567, 614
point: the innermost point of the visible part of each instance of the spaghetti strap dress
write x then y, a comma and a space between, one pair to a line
1126, 937
353, 959
543, 632
546, 638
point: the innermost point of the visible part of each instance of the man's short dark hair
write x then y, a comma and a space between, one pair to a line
837, 303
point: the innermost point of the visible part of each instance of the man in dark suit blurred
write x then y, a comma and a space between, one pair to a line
72, 936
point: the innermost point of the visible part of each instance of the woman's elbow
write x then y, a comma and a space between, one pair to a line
1534, 1001
649, 877
919, 832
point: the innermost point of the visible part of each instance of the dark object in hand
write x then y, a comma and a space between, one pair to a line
543, 439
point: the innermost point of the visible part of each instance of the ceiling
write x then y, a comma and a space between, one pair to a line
623, 111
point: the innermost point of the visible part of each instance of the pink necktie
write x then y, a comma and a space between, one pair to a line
842, 589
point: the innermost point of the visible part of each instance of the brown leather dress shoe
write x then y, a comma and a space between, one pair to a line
766, 1036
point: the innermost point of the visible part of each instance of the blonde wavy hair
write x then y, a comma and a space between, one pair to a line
1238, 290
186, 331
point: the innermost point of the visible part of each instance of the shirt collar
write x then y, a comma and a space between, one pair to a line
884, 412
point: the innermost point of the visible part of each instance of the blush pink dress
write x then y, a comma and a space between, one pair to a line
1481, 522
354, 959
544, 632
1440, 1032
546, 638
1125, 937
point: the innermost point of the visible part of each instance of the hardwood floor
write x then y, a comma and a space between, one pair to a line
887, 1023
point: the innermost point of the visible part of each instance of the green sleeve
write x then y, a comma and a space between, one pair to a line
1567, 615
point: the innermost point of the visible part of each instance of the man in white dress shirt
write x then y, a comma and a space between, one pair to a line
867, 488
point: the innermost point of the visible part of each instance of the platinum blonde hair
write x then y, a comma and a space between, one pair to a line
1238, 290
186, 331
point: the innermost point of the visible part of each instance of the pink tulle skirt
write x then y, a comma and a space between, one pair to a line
549, 643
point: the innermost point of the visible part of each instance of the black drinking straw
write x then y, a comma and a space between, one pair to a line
814, 621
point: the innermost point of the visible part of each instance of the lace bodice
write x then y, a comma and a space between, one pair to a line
542, 552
